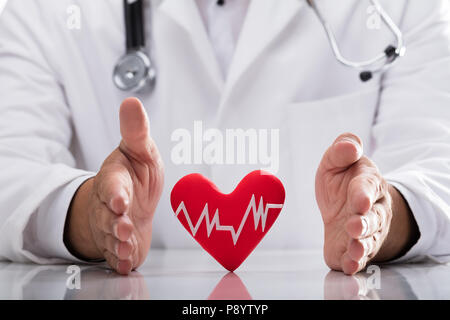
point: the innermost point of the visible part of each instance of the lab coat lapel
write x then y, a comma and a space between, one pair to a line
187, 15
266, 19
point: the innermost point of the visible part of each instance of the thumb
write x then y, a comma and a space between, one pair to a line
135, 130
345, 151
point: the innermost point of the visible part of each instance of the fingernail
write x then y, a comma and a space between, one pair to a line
126, 202
119, 204
366, 249
116, 248
124, 196
116, 230
361, 264
365, 226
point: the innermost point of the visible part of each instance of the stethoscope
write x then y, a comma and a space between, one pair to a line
135, 71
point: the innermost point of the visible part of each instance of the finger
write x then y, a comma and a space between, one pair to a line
362, 226
135, 130
123, 228
121, 249
348, 265
360, 249
121, 266
364, 190
104, 219
120, 227
362, 263
113, 185
346, 150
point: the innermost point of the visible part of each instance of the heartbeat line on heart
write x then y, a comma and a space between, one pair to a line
259, 214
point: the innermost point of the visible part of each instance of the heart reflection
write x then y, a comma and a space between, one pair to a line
230, 287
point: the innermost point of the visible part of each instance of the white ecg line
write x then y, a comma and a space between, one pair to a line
258, 214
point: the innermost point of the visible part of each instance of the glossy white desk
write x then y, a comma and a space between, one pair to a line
193, 274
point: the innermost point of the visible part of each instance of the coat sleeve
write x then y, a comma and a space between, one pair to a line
412, 128
37, 171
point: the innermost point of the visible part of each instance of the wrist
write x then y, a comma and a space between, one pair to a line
78, 237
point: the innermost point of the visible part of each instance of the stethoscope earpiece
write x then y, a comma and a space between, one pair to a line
365, 76
392, 53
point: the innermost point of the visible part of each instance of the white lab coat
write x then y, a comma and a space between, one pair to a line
59, 109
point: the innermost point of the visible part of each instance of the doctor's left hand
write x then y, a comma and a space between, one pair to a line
365, 218
111, 214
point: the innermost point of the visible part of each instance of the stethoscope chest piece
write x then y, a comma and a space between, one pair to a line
134, 72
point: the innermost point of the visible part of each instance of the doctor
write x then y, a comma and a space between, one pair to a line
82, 175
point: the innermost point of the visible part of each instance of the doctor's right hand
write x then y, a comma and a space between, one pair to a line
111, 214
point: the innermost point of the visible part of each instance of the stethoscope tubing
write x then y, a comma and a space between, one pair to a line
135, 45
362, 65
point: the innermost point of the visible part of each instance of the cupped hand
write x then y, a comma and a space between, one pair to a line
356, 205
111, 214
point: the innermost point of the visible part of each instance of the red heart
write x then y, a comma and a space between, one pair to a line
228, 226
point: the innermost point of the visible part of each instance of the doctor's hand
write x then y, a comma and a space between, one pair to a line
365, 218
111, 214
